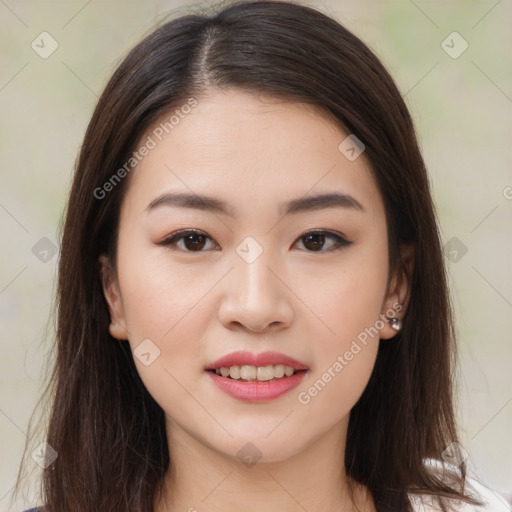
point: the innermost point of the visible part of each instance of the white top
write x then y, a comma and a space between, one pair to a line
494, 500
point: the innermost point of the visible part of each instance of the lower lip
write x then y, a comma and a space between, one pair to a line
257, 391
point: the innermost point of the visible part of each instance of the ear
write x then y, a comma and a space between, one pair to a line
398, 293
117, 327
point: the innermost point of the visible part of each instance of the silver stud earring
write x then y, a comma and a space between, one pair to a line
395, 323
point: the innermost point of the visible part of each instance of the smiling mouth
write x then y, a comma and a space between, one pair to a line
250, 373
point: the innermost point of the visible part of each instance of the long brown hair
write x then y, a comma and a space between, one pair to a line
108, 431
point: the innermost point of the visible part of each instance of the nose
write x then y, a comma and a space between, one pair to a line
256, 296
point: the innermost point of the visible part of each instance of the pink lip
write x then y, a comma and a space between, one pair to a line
257, 391
264, 359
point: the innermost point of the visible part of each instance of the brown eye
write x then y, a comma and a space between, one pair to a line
193, 241
196, 241
314, 241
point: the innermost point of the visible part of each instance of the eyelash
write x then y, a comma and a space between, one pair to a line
171, 241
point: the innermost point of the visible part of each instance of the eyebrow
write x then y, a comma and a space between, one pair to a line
295, 206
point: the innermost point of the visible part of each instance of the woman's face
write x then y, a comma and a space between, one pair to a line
254, 278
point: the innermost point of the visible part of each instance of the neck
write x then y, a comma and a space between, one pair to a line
201, 478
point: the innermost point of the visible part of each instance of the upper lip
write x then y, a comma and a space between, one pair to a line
263, 359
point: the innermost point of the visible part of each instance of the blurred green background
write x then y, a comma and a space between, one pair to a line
462, 105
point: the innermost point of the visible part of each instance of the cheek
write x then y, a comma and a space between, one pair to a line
345, 349
329, 395
165, 302
159, 294
346, 299
348, 303
162, 304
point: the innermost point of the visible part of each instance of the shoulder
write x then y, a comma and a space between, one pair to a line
493, 501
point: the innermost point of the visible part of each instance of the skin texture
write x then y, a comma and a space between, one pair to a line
253, 152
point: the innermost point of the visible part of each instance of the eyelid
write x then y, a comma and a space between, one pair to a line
177, 235
341, 240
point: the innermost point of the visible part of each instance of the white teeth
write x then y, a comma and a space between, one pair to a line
247, 372
288, 371
260, 373
279, 370
234, 372
266, 372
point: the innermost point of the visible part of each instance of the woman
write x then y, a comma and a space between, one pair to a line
252, 298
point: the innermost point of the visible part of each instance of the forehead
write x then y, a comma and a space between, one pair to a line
252, 150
